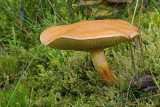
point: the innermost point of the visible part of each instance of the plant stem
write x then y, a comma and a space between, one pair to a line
139, 37
133, 59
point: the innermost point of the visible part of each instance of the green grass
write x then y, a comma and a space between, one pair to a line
36, 75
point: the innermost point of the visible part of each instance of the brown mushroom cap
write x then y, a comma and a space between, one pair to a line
88, 35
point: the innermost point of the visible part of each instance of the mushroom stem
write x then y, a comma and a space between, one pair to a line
102, 67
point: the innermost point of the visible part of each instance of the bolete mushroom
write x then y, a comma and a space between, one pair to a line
91, 36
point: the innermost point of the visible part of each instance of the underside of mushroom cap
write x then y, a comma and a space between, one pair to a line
88, 35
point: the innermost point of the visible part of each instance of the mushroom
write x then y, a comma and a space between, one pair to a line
93, 37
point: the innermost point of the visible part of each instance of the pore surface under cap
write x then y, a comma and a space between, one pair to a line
88, 35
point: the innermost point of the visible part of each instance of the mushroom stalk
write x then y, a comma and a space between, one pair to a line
101, 66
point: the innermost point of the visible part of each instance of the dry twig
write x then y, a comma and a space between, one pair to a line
30, 98
131, 49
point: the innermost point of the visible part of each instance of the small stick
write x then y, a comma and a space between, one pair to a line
133, 59
30, 98
140, 38
130, 41
21, 12
150, 88
70, 8
135, 74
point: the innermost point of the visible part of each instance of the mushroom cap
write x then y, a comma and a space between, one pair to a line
88, 35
